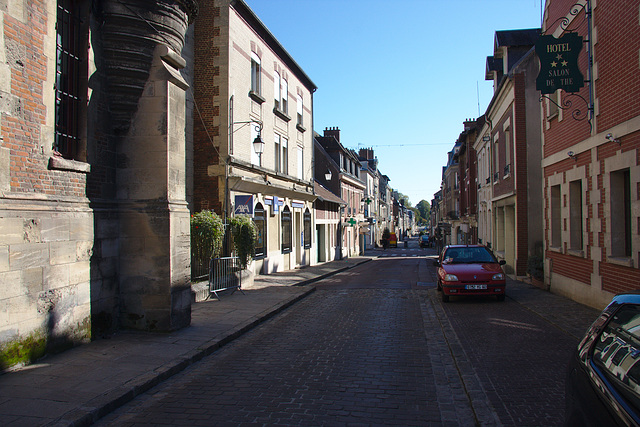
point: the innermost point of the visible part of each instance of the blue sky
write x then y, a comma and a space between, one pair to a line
397, 76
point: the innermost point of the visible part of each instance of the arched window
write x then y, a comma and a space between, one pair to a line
260, 220
285, 223
307, 229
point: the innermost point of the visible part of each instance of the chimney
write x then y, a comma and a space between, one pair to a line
332, 131
469, 124
366, 153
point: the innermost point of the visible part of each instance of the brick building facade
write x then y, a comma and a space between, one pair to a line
590, 149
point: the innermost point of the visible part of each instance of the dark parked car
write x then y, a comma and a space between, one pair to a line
603, 381
470, 270
424, 241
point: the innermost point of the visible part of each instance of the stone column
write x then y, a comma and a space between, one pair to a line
142, 42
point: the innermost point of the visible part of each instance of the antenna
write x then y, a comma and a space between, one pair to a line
478, 94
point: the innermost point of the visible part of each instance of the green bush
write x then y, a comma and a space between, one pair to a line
245, 234
207, 231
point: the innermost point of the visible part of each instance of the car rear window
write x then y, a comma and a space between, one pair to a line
617, 353
468, 256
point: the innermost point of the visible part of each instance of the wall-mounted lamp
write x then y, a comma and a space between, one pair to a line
572, 155
327, 175
258, 143
610, 138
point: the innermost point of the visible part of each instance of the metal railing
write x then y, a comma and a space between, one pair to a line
224, 274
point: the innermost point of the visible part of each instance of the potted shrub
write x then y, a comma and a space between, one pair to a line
207, 231
244, 234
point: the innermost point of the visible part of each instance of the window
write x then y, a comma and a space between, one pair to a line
620, 213
255, 73
259, 219
300, 162
284, 92
285, 224
507, 152
556, 218
285, 155
575, 215
496, 159
277, 152
300, 108
70, 55
307, 229
281, 152
276, 90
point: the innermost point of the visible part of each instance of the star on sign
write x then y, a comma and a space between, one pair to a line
554, 63
559, 57
564, 63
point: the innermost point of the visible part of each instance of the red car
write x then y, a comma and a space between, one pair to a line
470, 270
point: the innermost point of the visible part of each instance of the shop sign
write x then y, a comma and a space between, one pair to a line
559, 63
275, 204
244, 205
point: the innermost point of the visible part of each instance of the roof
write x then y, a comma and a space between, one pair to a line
527, 37
326, 195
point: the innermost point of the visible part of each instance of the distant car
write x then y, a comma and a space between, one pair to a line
603, 379
470, 270
424, 241
393, 240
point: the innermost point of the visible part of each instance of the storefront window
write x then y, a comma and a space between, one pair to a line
259, 219
286, 230
307, 229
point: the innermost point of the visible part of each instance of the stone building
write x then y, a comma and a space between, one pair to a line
591, 146
94, 225
248, 86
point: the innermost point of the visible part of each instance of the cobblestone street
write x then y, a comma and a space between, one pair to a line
360, 351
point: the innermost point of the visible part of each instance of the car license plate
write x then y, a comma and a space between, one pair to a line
476, 287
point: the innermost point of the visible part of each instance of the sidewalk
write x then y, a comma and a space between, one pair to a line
81, 385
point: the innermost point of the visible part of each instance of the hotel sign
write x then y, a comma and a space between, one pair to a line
559, 63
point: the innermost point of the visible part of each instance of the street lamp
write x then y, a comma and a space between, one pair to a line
258, 144
258, 147
327, 175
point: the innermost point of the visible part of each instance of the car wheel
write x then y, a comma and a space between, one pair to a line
445, 297
501, 297
439, 287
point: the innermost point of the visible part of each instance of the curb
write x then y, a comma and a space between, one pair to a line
331, 273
